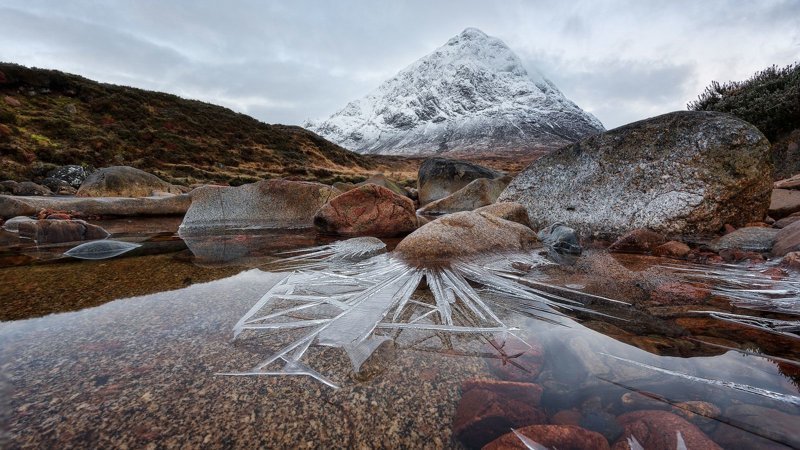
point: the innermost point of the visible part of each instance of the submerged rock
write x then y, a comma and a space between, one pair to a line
562, 437
265, 204
124, 181
12, 224
659, 429
680, 173
56, 231
770, 423
464, 234
753, 239
369, 210
514, 360
489, 408
477, 193
440, 177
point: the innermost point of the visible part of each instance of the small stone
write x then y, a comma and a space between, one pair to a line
11, 101
749, 239
787, 240
791, 261
672, 249
27, 188
638, 241
783, 203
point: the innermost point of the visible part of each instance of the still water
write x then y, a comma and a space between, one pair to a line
126, 352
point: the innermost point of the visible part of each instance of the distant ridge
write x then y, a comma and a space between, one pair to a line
50, 118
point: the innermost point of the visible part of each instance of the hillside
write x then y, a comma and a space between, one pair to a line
49, 118
770, 100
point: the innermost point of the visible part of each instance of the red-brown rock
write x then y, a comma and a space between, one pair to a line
788, 183
5, 130
655, 429
787, 240
566, 417
562, 437
639, 240
672, 294
672, 249
54, 231
783, 203
488, 409
513, 360
368, 210
791, 261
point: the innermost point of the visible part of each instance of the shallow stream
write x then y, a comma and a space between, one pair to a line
126, 352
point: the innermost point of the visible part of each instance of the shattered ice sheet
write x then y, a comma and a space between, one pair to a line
346, 295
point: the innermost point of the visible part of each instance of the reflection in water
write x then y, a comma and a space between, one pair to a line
139, 371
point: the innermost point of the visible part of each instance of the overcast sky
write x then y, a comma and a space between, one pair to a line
284, 62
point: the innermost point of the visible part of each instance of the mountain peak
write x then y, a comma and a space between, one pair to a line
471, 93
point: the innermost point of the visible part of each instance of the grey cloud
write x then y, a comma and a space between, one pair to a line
283, 62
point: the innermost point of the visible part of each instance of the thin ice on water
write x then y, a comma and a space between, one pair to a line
349, 295
101, 249
784, 398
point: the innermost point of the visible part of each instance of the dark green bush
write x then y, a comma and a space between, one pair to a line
770, 100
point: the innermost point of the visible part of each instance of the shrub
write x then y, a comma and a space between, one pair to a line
770, 100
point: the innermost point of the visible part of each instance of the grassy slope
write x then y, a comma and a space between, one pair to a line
49, 118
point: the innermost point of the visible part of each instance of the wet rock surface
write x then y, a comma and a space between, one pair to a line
440, 177
489, 408
672, 249
267, 204
477, 193
464, 234
124, 181
55, 231
782, 428
561, 239
108, 206
783, 203
787, 240
658, 429
567, 437
681, 173
639, 240
509, 211
368, 210
753, 239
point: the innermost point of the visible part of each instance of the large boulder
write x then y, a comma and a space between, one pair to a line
440, 177
109, 206
55, 231
72, 174
265, 204
682, 172
464, 234
368, 210
477, 193
509, 211
124, 181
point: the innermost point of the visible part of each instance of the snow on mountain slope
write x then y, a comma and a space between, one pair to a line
472, 94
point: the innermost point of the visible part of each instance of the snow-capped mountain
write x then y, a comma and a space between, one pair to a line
472, 94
